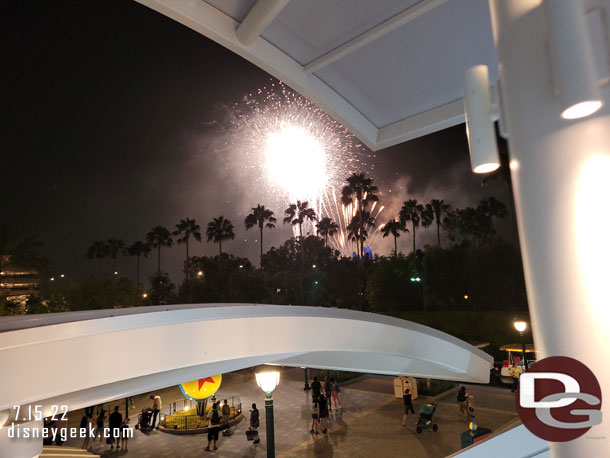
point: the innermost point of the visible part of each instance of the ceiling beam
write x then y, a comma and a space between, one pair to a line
408, 15
258, 18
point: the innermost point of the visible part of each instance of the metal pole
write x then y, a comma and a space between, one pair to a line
270, 429
306, 387
523, 348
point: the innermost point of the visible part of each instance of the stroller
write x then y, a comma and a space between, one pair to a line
144, 418
426, 413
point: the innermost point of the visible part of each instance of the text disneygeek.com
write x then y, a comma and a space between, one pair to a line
16, 432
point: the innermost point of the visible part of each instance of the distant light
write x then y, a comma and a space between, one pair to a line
314, 266
520, 325
465, 296
115, 272
186, 408
241, 266
316, 282
62, 275
277, 290
581, 109
200, 273
52, 278
144, 295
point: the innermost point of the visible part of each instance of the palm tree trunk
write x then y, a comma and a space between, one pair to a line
186, 264
395, 247
138, 273
261, 246
159, 261
219, 259
361, 231
113, 264
326, 240
413, 225
438, 233
99, 267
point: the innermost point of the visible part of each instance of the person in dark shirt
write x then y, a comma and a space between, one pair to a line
316, 389
115, 422
323, 406
408, 400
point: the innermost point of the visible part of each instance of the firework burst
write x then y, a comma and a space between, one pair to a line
292, 150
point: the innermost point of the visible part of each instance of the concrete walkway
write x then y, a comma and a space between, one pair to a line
369, 424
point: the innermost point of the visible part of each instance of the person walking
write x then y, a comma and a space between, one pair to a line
323, 410
255, 422
115, 423
462, 399
213, 426
316, 389
85, 422
226, 414
125, 434
315, 416
327, 391
334, 392
156, 408
99, 425
408, 401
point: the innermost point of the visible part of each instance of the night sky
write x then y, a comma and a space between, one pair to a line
108, 128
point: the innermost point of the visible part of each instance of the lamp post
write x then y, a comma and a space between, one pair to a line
268, 381
521, 326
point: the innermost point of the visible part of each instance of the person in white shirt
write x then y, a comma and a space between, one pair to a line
156, 407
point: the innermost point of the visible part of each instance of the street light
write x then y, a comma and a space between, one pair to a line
521, 326
268, 381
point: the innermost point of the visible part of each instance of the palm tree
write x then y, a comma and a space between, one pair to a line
438, 208
394, 228
492, 207
411, 211
359, 191
263, 218
138, 249
358, 227
98, 250
327, 227
115, 247
220, 229
158, 237
18, 249
185, 229
299, 213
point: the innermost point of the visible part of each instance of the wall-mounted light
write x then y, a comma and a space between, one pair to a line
572, 68
484, 156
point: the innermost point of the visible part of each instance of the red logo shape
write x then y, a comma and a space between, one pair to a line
201, 381
559, 399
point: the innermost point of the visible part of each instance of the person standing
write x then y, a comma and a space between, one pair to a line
515, 373
85, 422
213, 426
99, 425
315, 416
115, 423
334, 392
323, 411
316, 389
408, 401
255, 422
125, 434
156, 408
462, 398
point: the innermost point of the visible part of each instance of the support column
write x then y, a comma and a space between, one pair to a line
14, 445
561, 177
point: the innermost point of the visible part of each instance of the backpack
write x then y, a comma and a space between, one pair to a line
215, 417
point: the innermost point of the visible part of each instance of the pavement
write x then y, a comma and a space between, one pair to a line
368, 425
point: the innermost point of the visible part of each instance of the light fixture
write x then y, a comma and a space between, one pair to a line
268, 381
520, 325
200, 273
115, 272
484, 157
52, 278
572, 63
144, 295
62, 275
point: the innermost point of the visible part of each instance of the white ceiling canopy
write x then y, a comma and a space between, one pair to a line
389, 70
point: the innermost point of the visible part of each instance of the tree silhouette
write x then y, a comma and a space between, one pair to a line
327, 227
138, 249
411, 211
439, 207
394, 228
263, 218
491, 207
220, 229
115, 247
186, 229
158, 237
357, 229
359, 191
98, 250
